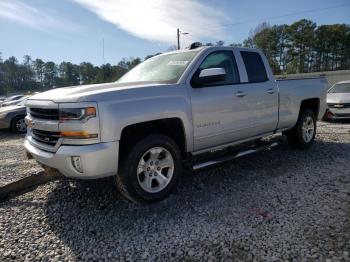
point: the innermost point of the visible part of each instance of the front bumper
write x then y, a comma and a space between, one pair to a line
338, 114
98, 160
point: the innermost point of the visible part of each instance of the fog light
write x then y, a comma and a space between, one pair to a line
76, 162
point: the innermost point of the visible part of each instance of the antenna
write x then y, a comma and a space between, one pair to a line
103, 50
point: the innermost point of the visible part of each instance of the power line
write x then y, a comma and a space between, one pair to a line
280, 16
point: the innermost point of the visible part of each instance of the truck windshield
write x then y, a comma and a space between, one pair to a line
340, 88
163, 68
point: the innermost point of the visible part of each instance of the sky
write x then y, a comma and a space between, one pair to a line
77, 30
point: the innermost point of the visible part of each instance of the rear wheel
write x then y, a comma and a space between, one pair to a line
18, 125
151, 169
303, 134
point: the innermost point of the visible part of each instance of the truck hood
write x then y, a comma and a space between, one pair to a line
338, 98
87, 92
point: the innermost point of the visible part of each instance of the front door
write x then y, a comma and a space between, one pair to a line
218, 115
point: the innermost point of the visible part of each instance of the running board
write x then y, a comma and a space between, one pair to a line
231, 157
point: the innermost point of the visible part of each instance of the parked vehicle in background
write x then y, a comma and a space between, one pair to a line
14, 102
13, 117
338, 101
11, 99
172, 107
2, 98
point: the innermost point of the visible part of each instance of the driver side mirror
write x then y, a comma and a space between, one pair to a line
209, 76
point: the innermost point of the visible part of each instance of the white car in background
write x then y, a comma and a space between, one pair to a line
12, 100
338, 100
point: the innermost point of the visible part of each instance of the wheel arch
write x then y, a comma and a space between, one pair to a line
172, 127
310, 103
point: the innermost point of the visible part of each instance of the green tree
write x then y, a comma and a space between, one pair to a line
265, 38
50, 75
88, 73
68, 74
38, 66
301, 35
105, 73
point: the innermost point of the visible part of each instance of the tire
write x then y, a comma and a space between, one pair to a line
18, 125
302, 136
151, 170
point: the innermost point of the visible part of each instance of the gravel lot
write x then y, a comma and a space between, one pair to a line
13, 162
282, 204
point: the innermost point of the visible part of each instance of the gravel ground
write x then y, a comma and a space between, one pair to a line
13, 162
282, 204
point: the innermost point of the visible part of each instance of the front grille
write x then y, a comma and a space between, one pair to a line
46, 137
44, 113
339, 105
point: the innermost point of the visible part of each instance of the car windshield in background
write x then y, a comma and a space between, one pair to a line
163, 68
340, 88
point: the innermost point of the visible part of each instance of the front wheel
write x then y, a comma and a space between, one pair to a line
18, 125
303, 134
151, 169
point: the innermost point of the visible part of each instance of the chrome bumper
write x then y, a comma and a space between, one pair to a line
98, 160
340, 113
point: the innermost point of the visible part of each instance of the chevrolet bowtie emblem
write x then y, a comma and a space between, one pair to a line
338, 106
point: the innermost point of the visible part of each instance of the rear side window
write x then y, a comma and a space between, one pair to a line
254, 66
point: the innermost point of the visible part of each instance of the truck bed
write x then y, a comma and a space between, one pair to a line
293, 91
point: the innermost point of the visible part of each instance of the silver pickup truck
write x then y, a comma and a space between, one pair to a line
170, 108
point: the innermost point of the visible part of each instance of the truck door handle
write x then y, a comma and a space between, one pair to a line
270, 91
240, 94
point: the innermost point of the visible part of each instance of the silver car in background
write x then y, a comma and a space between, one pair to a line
12, 117
338, 100
12, 100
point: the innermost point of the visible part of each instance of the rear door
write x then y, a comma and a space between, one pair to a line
262, 93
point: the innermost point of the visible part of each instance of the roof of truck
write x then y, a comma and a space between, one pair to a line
211, 47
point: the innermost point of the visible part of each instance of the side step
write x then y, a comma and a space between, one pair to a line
230, 157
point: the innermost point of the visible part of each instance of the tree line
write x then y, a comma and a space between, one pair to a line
297, 48
303, 47
37, 75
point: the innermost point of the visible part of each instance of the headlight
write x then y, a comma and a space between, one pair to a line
81, 114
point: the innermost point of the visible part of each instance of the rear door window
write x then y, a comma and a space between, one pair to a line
254, 66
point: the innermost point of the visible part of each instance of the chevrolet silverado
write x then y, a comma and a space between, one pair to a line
167, 111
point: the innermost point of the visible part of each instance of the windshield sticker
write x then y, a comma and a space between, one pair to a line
178, 63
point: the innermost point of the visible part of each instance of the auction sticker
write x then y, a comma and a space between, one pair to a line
178, 63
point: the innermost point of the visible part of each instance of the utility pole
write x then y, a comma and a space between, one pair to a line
178, 33
178, 39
